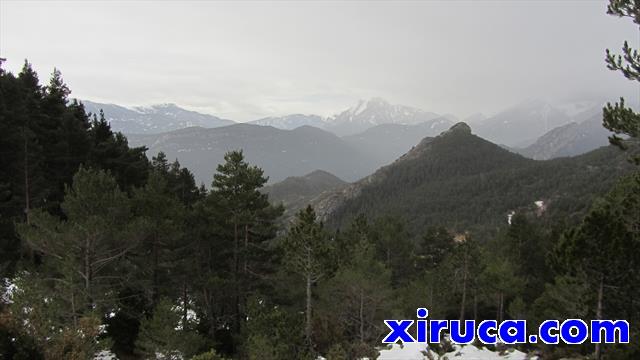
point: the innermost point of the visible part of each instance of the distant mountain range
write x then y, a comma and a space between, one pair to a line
153, 119
284, 153
364, 115
290, 122
281, 153
516, 127
295, 145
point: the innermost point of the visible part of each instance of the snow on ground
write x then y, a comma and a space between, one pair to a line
416, 351
409, 351
7, 289
105, 355
471, 352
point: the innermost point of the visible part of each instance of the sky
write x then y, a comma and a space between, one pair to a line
246, 60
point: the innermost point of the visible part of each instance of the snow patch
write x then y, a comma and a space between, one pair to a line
418, 351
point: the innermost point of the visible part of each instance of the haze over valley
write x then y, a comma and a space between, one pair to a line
354, 142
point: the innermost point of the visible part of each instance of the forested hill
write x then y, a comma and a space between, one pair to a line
465, 182
295, 192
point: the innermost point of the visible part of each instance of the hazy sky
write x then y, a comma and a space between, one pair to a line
245, 60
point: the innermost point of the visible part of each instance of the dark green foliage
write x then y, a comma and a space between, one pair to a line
160, 250
84, 253
272, 333
209, 355
307, 252
463, 182
434, 245
45, 139
166, 334
393, 247
337, 352
604, 251
180, 181
618, 118
527, 248
111, 151
357, 299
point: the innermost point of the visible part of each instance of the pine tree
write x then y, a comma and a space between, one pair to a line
358, 298
162, 335
307, 250
463, 265
251, 218
111, 151
83, 264
500, 279
393, 247
525, 247
272, 332
618, 118
84, 253
605, 248
434, 246
159, 254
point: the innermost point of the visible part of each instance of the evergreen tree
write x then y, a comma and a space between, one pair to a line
500, 279
252, 221
526, 248
307, 250
393, 247
111, 151
358, 298
463, 265
159, 252
434, 246
83, 263
273, 333
84, 252
605, 247
618, 118
164, 336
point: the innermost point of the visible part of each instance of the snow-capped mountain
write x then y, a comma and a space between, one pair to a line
373, 112
153, 119
290, 122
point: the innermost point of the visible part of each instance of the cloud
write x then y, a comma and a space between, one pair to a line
245, 60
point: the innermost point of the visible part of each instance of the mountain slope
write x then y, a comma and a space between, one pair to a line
295, 192
281, 153
569, 140
153, 119
367, 114
521, 125
290, 122
464, 182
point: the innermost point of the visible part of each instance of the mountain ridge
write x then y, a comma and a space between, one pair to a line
281, 153
574, 138
426, 183
153, 119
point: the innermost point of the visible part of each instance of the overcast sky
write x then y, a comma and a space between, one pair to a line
246, 60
